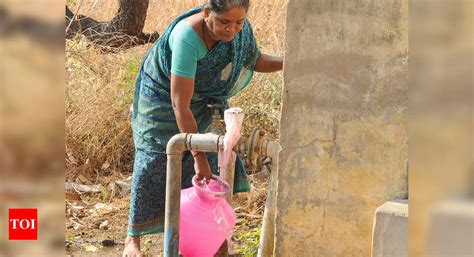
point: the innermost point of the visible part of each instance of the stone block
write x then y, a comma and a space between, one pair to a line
390, 233
451, 230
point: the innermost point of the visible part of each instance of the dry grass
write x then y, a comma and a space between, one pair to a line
98, 91
100, 86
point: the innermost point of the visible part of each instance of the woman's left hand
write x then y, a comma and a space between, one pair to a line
269, 63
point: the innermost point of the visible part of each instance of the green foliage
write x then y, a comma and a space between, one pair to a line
104, 195
132, 65
70, 238
250, 240
126, 81
147, 246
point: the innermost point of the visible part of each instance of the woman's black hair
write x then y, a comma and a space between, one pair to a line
219, 6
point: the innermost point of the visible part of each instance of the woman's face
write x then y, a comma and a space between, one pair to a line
225, 25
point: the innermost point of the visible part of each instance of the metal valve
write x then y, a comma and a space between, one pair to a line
217, 125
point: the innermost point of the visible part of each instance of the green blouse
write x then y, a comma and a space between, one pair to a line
187, 49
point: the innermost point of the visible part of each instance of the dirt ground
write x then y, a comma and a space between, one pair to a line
95, 226
85, 235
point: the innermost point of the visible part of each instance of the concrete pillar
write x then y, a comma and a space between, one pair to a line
343, 126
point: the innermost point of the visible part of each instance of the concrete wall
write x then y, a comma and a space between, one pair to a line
343, 127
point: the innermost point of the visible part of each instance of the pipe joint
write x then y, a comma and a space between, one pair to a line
194, 142
204, 142
176, 145
257, 148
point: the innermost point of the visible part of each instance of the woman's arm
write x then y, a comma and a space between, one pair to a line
182, 90
268, 63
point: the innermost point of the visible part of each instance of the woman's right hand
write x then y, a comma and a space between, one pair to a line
201, 166
182, 90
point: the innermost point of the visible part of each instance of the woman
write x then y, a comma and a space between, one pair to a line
206, 55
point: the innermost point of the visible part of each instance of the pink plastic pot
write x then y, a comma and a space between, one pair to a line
206, 219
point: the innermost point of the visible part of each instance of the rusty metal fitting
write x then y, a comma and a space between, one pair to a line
255, 149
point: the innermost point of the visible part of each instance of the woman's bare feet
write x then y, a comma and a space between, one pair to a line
132, 247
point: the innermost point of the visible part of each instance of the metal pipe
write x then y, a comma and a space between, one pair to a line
272, 150
174, 150
267, 235
228, 176
212, 143
173, 186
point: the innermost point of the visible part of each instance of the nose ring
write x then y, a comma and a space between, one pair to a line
227, 29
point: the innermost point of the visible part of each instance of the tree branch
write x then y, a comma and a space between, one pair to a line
122, 32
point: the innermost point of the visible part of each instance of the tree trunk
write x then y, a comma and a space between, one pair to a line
123, 31
130, 17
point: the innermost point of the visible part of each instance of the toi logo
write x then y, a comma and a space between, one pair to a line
22, 224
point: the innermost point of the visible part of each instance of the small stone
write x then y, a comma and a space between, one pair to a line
77, 226
125, 185
90, 248
105, 166
100, 206
113, 189
104, 225
75, 210
97, 224
108, 242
